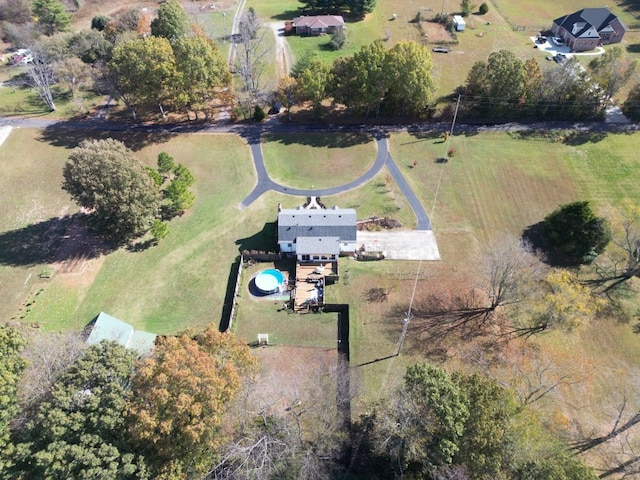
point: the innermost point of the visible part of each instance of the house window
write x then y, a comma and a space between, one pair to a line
289, 245
305, 258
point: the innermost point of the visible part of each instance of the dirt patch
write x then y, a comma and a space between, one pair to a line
287, 373
436, 32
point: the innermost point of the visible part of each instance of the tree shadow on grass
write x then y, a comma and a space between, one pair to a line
321, 140
633, 48
60, 136
534, 236
287, 15
440, 321
264, 240
52, 241
581, 137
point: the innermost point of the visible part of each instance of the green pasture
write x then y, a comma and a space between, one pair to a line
379, 197
318, 161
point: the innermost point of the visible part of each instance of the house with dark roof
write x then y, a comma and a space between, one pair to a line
317, 234
317, 24
589, 28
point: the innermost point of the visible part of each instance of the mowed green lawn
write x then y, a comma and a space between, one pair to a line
318, 160
181, 282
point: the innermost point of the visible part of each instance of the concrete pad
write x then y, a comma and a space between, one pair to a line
403, 245
4, 133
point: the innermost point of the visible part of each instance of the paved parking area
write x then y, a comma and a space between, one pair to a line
403, 245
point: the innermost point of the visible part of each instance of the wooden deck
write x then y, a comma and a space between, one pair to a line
308, 292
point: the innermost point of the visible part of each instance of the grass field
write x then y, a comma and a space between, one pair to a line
318, 161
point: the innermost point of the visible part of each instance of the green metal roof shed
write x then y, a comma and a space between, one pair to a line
107, 327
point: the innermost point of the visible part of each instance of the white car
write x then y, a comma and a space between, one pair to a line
558, 41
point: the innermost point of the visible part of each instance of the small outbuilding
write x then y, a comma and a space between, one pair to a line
459, 23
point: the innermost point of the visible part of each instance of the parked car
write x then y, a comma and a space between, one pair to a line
558, 41
541, 39
560, 58
441, 49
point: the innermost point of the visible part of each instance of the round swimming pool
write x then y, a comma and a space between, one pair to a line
269, 280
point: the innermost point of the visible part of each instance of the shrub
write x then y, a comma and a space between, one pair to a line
258, 113
338, 39
484, 9
99, 22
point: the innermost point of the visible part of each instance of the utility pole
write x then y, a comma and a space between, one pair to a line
455, 114
224, 23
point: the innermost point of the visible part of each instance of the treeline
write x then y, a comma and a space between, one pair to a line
191, 410
505, 87
397, 81
354, 8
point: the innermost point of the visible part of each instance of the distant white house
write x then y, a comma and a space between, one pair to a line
316, 234
459, 23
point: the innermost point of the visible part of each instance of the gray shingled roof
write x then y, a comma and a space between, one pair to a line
336, 222
318, 246
599, 18
318, 21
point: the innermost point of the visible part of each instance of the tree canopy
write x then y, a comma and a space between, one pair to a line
52, 16
172, 22
11, 368
356, 8
576, 232
143, 71
104, 177
399, 79
77, 430
179, 396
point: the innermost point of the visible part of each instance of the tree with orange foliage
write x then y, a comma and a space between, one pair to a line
180, 395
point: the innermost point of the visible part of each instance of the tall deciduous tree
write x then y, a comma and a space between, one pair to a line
370, 71
201, 71
421, 429
411, 82
565, 303
180, 395
287, 88
611, 71
631, 106
486, 447
52, 16
104, 177
143, 72
508, 271
313, 82
41, 74
78, 432
172, 22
